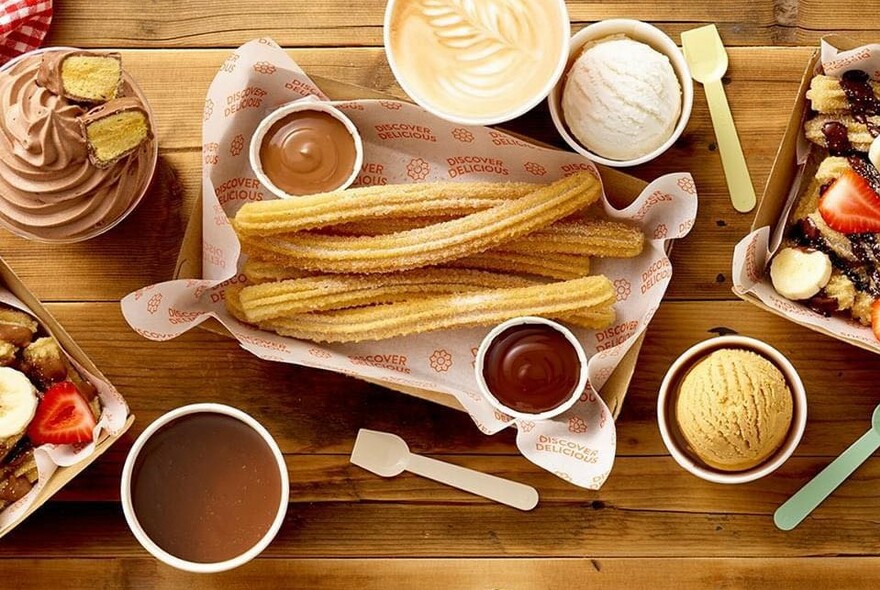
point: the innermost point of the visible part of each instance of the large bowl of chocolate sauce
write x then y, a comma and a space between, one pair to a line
205, 488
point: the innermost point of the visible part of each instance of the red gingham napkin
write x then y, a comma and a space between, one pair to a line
23, 25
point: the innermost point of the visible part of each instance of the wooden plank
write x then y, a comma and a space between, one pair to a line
444, 574
143, 249
373, 529
337, 22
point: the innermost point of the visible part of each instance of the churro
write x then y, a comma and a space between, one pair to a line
266, 218
558, 266
433, 244
587, 238
855, 135
827, 95
286, 298
591, 297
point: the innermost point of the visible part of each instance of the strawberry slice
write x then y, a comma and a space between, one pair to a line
875, 318
62, 417
850, 205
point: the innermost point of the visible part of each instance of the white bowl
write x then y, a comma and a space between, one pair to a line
638, 31
669, 429
297, 107
153, 548
463, 119
530, 320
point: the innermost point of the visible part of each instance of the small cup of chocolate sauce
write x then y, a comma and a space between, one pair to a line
531, 368
205, 488
306, 147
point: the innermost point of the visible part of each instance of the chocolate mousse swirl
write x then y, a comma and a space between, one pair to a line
48, 188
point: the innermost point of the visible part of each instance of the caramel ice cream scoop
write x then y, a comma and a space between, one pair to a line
734, 409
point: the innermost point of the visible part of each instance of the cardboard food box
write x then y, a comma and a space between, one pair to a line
791, 172
621, 189
62, 475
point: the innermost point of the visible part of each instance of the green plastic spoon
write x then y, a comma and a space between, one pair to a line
790, 514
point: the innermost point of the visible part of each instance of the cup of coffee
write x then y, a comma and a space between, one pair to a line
205, 488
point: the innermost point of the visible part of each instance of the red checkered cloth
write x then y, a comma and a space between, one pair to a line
23, 25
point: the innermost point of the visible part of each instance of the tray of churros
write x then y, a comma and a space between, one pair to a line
813, 255
420, 238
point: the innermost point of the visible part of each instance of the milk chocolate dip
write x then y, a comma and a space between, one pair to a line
308, 152
206, 487
531, 368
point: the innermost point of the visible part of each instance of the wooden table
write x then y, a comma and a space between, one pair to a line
650, 525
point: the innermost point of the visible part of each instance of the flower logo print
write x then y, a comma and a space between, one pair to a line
474, 396
391, 105
577, 425
462, 135
526, 425
209, 109
418, 169
604, 373
535, 168
623, 289
153, 303
319, 353
661, 231
441, 361
687, 185
264, 67
502, 417
237, 145
562, 475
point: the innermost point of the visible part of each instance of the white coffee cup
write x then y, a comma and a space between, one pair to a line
131, 516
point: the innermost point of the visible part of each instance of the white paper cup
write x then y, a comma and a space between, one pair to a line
521, 321
297, 107
638, 31
669, 393
141, 535
527, 104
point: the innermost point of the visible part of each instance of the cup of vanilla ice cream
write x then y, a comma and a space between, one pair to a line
731, 409
626, 94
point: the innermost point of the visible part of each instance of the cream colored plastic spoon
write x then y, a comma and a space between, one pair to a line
799, 506
707, 61
388, 455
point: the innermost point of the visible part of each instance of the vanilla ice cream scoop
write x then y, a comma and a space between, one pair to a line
734, 409
621, 99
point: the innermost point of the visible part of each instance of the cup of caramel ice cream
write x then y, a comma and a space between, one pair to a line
51, 190
731, 409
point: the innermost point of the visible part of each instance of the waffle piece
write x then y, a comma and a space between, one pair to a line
82, 76
115, 129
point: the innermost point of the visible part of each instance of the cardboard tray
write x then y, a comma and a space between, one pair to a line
784, 174
63, 474
620, 188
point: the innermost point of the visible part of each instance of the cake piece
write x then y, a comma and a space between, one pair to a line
115, 129
82, 76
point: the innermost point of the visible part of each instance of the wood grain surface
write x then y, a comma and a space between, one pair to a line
651, 526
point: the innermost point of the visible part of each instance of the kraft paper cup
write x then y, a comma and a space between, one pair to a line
521, 321
153, 548
637, 31
154, 158
675, 442
297, 107
531, 102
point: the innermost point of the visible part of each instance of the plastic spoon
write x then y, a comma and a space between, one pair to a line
799, 506
707, 61
388, 455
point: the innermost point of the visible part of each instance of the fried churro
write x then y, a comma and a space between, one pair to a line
558, 266
587, 238
590, 298
828, 95
266, 218
433, 244
854, 135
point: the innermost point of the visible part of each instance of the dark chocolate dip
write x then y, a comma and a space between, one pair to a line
308, 152
531, 368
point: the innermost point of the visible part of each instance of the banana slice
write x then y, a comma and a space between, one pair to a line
800, 274
874, 152
18, 402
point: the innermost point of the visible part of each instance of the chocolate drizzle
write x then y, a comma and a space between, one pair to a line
856, 85
836, 137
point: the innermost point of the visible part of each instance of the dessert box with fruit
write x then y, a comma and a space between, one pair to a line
812, 256
70, 411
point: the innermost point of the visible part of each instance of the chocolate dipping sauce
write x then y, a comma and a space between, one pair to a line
531, 368
308, 152
206, 487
